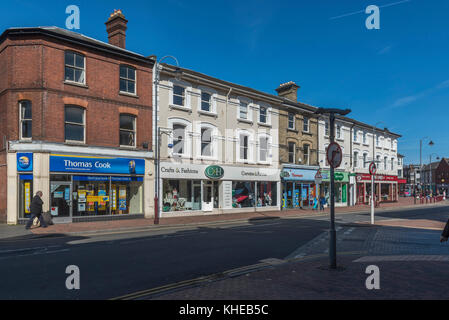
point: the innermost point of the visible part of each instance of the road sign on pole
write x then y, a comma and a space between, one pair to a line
318, 177
334, 155
372, 168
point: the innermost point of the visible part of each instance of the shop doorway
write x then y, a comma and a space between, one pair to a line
61, 201
210, 195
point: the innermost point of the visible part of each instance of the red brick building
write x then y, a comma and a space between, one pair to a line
65, 96
442, 176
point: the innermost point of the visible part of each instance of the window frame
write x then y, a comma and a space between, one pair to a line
307, 163
248, 135
291, 121
74, 67
213, 141
187, 138
289, 153
21, 120
133, 131
74, 123
128, 67
305, 124
268, 150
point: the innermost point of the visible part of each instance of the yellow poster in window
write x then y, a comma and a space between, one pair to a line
27, 197
114, 197
122, 198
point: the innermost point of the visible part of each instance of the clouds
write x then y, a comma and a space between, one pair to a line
412, 98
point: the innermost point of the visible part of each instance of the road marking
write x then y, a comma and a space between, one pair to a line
404, 258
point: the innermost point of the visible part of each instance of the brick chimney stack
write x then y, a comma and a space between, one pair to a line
288, 90
116, 28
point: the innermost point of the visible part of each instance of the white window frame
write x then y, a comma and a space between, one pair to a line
248, 134
249, 111
269, 147
338, 131
355, 135
21, 137
293, 121
304, 154
187, 94
268, 113
127, 79
294, 151
365, 158
187, 139
304, 124
134, 131
214, 141
213, 100
74, 67
84, 124
364, 138
356, 159
326, 128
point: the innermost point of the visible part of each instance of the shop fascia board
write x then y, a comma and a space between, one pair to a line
299, 166
36, 146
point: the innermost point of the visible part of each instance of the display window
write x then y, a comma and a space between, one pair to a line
181, 195
126, 195
25, 194
90, 195
243, 195
266, 194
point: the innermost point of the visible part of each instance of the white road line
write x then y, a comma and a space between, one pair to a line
403, 258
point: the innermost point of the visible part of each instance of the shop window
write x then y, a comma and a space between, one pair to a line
89, 196
25, 119
126, 195
74, 67
127, 130
266, 194
74, 123
243, 194
127, 79
181, 195
25, 195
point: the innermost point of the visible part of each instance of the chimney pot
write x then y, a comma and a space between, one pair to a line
288, 90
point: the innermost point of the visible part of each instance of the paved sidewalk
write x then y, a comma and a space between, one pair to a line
412, 264
144, 224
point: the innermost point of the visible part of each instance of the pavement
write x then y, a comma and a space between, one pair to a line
412, 264
7, 231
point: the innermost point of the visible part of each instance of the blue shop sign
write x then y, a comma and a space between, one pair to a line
298, 174
63, 163
24, 162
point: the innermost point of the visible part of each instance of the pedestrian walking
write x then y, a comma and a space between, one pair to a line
36, 210
315, 203
322, 202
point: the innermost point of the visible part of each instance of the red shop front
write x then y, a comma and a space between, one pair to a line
385, 188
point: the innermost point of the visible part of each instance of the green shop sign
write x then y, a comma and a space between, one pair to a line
214, 172
338, 176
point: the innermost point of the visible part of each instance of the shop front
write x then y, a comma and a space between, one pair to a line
84, 188
385, 188
298, 187
197, 189
341, 189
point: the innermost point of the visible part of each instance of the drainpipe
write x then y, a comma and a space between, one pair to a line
226, 121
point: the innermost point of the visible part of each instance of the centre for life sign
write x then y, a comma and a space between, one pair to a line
78, 164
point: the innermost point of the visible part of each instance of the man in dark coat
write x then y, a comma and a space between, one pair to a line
445, 233
36, 210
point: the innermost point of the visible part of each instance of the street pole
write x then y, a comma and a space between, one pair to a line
332, 232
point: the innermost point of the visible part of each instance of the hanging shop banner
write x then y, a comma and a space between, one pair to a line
24, 162
298, 174
81, 164
338, 176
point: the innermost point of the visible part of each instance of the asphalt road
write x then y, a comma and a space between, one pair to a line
116, 264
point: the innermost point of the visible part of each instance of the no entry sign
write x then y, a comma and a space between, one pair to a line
334, 155
372, 168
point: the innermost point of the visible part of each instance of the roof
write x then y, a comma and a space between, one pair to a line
77, 38
286, 102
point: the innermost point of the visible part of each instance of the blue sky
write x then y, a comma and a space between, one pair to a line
398, 75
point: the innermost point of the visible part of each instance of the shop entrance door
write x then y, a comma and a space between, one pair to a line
61, 201
208, 198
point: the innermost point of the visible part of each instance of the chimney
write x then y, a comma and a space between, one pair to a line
288, 90
116, 28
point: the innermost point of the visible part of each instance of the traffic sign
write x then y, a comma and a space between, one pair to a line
372, 168
334, 155
318, 177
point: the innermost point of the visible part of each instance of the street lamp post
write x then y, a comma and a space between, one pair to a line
420, 157
157, 133
332, 233
372, 176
